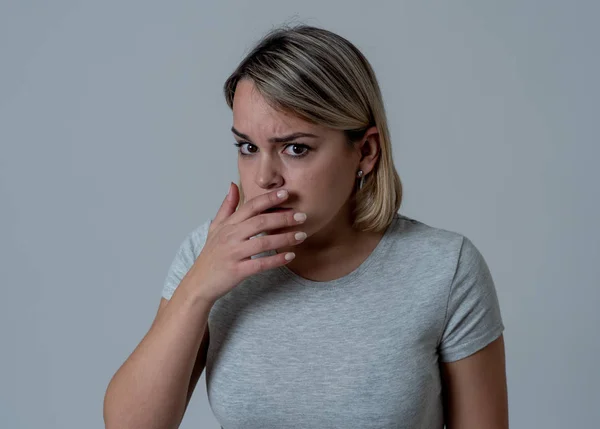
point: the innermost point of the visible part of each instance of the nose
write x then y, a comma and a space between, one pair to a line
268, 175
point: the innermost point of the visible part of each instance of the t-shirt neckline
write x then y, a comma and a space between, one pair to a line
380, 249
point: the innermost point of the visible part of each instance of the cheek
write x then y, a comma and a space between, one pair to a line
325, 189
246, 174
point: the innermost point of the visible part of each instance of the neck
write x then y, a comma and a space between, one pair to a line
333, 251
332, 237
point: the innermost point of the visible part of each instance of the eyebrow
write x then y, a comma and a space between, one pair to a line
282, 139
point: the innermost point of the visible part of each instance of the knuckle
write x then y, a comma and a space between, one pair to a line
285, 219
260, 264
261, 221
263, 244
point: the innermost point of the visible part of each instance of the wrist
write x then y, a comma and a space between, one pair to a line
193, 296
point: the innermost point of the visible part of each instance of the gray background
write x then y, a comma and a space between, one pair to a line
115, 144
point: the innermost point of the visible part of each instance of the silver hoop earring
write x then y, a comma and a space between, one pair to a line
362, 179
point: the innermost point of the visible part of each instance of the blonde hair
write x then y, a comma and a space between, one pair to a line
324, 79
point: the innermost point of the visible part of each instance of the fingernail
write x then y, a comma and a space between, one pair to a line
300, 236
289, 256
299, 217
282, 194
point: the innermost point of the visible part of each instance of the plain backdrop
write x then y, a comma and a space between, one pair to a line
115, 144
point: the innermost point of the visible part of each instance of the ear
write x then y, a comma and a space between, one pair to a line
370, 149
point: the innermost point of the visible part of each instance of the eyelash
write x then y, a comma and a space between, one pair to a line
308, 149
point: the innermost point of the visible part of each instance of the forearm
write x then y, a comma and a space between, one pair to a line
150, 389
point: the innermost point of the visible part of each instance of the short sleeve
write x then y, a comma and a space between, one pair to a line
473, 318
184, 258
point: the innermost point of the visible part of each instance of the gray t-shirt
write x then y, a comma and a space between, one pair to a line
361, 351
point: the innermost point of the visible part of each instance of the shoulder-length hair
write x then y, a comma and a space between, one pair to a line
324, 79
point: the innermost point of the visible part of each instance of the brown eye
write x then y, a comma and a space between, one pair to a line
251, 148
297, 150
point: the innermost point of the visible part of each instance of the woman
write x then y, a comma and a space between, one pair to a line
310, 300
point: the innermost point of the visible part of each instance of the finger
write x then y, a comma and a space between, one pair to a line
258, 205
258, 245
257, 265
228, 205
269, 221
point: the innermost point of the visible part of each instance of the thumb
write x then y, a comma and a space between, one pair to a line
229, 204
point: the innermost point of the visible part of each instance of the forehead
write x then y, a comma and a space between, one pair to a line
252, 114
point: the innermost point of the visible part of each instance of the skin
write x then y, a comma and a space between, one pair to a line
475, 389
320, 185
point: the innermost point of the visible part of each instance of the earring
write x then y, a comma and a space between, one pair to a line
362, 179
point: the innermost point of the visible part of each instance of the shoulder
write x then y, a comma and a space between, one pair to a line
424, 240
193, 242
184, 258
433, 250
444, 254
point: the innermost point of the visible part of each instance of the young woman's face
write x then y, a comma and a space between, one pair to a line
318, 168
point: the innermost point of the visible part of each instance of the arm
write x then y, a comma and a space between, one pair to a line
152, 389
200, 358
475, 391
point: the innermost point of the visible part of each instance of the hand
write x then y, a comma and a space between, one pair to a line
225, 259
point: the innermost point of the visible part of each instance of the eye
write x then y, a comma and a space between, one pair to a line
251, 148
298, 150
